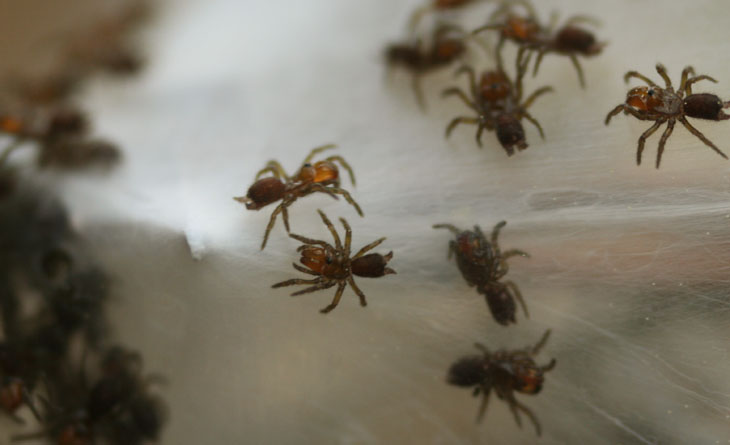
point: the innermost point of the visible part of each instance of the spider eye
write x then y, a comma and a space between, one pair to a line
307, 165
650, 93
328, 259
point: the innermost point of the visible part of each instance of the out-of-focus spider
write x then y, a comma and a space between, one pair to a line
483, 264
526, 31
498, 104
446, 45
322, 176
334, 266
436, 6
664, 105
505, 372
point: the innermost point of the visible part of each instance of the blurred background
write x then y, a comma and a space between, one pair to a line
629, 264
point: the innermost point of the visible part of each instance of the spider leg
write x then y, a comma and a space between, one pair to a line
320, 286
460, 120
549, 366
498, 52
539, 92
336, 299
522, 62
579, 69
701, 136
285, 217
488, 26
304, 269
538, 61
452, 249
534, 122
339, 191
483, 406
495, 233
272, 221
357, 290
348, 236
418, 91
638, 75
480, 131
614, 112
333, 231
662, 70
275, 168
482, 348
451, 227
455, 91
370, 246
643, 137
295, 281
306, 240
417, 16
345, 165
514, 404
513, 287
686, 72
315, 151
469, 71
688, 85
514, 252
663, 140
513, 408
540, 344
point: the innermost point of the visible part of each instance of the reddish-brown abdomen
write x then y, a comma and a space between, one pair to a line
372, 265
501, 305
510, 133
263, 192
704, 106
573, 39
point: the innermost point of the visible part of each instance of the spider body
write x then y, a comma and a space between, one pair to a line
446, 46
333, 265
505, 372
322, 176
665, 105
498, 105
483, 265
526, 31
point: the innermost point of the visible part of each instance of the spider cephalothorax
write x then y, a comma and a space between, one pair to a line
321, 176
665, 105
332, 265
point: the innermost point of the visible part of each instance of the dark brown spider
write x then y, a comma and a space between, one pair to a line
498, 104
505, 372
483, 264
322, 176
334, 266
661, 105
526, 31
446, 45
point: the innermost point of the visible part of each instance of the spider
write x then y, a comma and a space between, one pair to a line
498, 105
569, 40
446, 46
483, 264
334, 266
654, 103
505, 372
322, 176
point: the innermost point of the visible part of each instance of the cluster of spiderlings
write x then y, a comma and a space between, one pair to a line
332, 265
496, 98
52, 295
40, 111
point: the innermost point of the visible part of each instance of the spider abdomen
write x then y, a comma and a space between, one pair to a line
372, 265
704, 106
501, 305
263, 192
510, 133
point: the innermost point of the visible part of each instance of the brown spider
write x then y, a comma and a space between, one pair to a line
483, 264
322, 176
446, 46
334, 266
498, 104
661, 105
505, 372
525, 30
